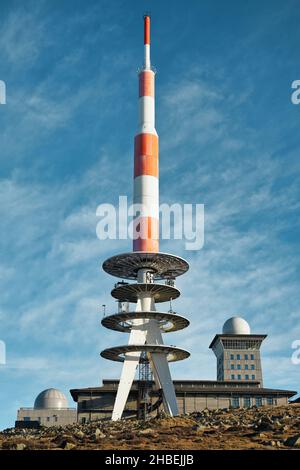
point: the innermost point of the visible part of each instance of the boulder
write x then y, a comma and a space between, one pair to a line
293, 441
20, 446
99, 434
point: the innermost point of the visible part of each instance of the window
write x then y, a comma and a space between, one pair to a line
235, 402
252, 377
258, 401
241, 344
232, 357
83, 420
232, 366
246, 377
269, 400
246, 367
55, 418
246, 357
26, 418
247, 402
252, 366
238, 367
232, 376
239, 377
83, 404
238, 356
48, 418
252, 357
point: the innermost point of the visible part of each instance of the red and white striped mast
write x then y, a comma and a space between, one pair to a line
146, 265
146, 189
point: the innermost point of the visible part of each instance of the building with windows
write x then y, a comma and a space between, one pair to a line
50, 409
239, 382
238, 352
192, 395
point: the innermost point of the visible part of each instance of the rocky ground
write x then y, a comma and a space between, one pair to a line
263, 428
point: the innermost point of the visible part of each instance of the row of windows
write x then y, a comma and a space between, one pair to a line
238, 366
236, 401
239, 377
241, 344
246, 357
28, 418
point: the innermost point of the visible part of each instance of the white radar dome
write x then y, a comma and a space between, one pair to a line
236, 326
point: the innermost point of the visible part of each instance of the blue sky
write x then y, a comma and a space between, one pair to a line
229, 138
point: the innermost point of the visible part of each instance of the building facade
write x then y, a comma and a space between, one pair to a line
50, 409
192, 395
238, 352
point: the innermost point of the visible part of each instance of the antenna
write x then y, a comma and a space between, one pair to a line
147, 63
145, 324
103, 309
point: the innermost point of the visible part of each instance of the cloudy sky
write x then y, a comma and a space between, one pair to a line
229, 139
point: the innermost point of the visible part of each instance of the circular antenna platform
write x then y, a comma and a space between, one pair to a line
131, 292
162, 265
123, 322
118, 353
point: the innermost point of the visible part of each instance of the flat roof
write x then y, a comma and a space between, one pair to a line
193, 386
258, 336
192, 381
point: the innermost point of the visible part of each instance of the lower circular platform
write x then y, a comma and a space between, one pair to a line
163, 265
131, 292
168, 322
118, 352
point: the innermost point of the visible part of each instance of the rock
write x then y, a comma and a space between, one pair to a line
99, 434
226, 427
265, 426
80, 434
198, 427
293, 441
147, 432
20, 446
128, 436
67, 445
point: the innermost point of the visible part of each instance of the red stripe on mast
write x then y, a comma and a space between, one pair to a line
146, 29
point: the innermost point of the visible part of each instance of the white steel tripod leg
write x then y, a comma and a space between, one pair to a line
161, 369
137, 336
128, 372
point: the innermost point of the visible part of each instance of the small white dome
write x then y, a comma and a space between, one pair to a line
236, 326
51, 398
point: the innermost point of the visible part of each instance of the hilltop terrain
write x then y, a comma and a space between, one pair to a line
255, 428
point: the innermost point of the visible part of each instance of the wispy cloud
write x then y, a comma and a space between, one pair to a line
22, 37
